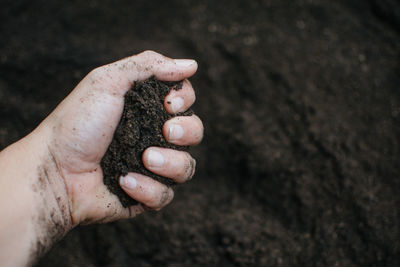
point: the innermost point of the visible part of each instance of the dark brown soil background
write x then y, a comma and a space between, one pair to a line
139, 128
301, 105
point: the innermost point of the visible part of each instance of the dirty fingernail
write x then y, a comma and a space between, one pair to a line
177, 104
184, 62
128, 181
170, 195
155, 159
193, 168
175, 132
167, 197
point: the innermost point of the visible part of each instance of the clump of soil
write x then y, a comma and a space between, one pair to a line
139, 128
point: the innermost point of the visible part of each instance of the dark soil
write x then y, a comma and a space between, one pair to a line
139, 128
300, 101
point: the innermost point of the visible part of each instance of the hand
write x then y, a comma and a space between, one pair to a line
51, 180
83, 126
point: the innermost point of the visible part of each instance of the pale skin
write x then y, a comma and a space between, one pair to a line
51, 180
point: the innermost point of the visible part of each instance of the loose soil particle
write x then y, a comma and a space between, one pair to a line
300, 103
139, 128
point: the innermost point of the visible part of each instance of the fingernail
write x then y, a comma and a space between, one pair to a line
170, 194
177, 104
128, 182
184, 62
175, 132
155, 159
193, 166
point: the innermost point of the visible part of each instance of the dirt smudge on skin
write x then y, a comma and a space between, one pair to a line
51, 222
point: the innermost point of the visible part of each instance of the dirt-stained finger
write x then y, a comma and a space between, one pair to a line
146, 190
176, 165
184, 130
180, 100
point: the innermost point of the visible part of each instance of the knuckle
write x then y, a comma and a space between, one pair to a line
95, 74
149, 54
158, 199
201, 126
151, 200
99, 75
189, 92
199, 129
198, 120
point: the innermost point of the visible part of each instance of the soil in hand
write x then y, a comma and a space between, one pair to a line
139, 128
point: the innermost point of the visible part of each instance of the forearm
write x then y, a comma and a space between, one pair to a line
33, 200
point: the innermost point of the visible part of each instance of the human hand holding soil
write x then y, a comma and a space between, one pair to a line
57, 177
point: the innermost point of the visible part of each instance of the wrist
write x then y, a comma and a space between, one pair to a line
36, 206
52, 218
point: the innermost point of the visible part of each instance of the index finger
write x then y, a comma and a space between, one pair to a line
121, 74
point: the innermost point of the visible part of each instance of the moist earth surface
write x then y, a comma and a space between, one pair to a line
301, 106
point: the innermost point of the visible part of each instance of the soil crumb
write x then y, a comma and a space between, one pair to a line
139, 128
